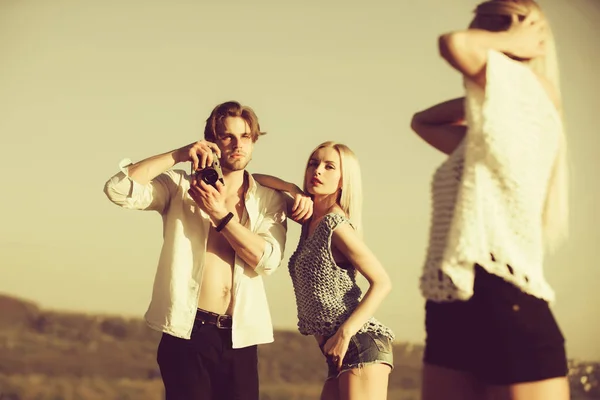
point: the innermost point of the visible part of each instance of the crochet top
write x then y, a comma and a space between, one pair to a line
489, 194
326, 292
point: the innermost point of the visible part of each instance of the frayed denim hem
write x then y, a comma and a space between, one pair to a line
359, 367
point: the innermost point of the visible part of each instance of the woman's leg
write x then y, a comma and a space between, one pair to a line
451, 351
440, 383
548, 389
525, 357
330, 387
369, 382
330, 390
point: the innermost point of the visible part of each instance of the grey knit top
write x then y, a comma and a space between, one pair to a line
326, 292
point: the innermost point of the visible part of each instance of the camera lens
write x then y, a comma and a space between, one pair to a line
210, 176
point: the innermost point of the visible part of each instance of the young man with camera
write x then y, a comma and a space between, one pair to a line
222, 232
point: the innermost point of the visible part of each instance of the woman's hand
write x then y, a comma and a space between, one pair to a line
299, 204
467, 50
337, 346
302, 208
528, 37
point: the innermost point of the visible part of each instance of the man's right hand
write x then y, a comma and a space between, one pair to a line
199, 153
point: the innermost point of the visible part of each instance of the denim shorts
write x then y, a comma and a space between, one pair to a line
364, 349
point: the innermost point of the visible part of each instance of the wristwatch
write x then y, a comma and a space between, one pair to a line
224, 222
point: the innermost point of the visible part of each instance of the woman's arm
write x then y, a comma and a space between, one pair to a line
276, 183
299, 205
442, 126
346, 241
467, 50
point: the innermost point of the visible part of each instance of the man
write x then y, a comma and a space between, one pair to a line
208, 297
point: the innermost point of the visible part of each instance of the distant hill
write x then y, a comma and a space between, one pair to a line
66, 356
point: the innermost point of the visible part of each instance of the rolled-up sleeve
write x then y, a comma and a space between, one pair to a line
127, 193
272, 229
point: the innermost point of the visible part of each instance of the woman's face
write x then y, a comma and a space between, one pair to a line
324, 173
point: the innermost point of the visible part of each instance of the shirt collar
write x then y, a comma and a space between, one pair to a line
252, 186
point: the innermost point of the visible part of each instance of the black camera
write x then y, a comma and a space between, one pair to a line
211, 173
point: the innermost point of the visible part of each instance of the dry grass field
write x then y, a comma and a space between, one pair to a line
49, 355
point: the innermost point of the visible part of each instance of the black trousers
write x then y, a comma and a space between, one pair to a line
206, 367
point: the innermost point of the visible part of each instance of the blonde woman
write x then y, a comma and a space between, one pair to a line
357, 347
499, 201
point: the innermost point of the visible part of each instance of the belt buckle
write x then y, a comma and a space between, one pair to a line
219, 318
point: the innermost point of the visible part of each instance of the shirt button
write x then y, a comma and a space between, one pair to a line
516, 307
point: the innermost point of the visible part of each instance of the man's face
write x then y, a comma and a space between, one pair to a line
235, 142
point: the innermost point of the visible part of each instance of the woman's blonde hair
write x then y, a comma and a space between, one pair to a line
498, 15
350, 198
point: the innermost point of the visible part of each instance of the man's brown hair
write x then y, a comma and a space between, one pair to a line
214, 123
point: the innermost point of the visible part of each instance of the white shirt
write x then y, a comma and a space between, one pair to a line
489, 194
185, 233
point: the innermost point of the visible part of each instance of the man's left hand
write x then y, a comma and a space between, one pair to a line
209, 199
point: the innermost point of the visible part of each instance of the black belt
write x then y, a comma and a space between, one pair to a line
221, 321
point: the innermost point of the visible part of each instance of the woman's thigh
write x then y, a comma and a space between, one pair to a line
368, 382
441, 383
547, 389
330, 390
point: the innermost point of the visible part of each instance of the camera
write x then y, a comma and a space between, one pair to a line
211, 173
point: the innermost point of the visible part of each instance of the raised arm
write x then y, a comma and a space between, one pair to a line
299, 204
276, 183
442, 126
467, 50
199, 153
144, 186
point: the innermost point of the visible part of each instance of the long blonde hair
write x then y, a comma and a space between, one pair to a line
350, 199
497, 15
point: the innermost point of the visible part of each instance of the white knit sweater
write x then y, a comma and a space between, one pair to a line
488, 196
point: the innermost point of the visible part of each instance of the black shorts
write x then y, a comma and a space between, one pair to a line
501, 335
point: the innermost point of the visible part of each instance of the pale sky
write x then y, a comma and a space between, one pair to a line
84, 84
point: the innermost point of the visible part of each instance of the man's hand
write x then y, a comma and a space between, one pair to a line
209, 199
199, 153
